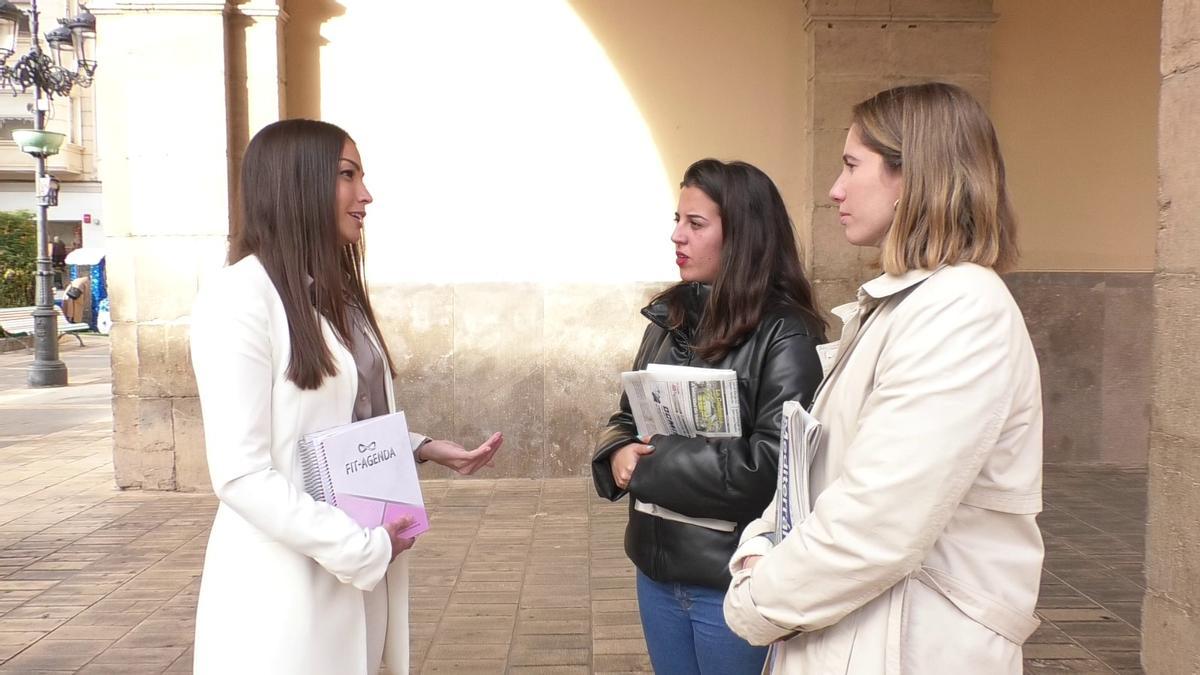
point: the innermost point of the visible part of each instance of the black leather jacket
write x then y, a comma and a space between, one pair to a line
730, 479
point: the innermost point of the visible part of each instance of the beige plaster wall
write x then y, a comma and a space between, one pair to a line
550, 136
715, 78
1074, 99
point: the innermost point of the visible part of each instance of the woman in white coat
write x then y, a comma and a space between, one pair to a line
284, 342
921, 553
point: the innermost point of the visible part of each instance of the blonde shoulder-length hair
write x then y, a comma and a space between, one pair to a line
954, 205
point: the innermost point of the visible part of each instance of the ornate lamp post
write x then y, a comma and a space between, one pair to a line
72, 45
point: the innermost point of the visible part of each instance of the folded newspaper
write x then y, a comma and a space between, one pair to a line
799, 436
684, 401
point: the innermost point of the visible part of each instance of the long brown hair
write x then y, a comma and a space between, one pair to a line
954, 203
288, 219
760, 259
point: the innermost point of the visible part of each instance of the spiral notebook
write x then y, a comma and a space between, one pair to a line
367, 470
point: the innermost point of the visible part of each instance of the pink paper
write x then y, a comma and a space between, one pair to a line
370, 512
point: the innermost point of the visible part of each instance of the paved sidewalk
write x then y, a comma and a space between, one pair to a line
517, 576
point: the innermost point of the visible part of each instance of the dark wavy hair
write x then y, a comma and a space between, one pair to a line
760, 259
288, 219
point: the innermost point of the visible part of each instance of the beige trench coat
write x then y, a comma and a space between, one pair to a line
921, 553
286, 579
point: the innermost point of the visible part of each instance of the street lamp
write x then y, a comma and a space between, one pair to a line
72, 45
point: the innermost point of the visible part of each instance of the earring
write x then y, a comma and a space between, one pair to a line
896, 204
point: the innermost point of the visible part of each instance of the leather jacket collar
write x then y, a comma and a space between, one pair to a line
695, 300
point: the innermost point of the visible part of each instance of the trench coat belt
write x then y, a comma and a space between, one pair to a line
981, 606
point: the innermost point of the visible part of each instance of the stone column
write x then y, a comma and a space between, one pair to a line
164, 163
1171, 611
859, 47
254, 59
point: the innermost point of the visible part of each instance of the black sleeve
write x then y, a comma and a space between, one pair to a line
621, 430
732, 478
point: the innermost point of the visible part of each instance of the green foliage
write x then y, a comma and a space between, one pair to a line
18, 258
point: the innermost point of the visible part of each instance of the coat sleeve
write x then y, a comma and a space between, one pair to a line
231, 356
731, 478
621, 430
941, 397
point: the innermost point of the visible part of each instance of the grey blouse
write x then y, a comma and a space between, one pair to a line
371, 400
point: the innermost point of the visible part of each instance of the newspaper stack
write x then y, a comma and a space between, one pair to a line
798, 439
684, 401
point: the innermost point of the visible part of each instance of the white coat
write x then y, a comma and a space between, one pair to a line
285, 577
921, 553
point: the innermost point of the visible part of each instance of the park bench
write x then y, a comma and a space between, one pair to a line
18, 322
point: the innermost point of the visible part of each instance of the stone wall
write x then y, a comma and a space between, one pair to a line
1092, 333
539, 362
1171, 612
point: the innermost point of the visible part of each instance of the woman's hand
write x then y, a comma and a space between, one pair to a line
625, 460
453, 455
393, 529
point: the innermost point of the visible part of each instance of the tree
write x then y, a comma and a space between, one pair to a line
18, 258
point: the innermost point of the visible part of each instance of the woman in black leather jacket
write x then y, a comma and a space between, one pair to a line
743, 304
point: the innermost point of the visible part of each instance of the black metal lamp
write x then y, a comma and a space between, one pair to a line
10, 20
62, 46
83, 34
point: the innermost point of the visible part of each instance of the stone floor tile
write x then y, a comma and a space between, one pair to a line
464, 667
621, 646
29, 625
541, 641
470, 609
1055, 651
50, 654
552, 627
120, 669
621, 662
1089, 614
520, 656
74, 632
18, 670
495, 636
1119, 643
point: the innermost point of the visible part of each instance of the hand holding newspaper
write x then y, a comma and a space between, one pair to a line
684, 401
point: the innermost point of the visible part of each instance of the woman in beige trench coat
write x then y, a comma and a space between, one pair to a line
921, 553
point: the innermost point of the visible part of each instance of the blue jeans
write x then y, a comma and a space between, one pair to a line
686, 632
